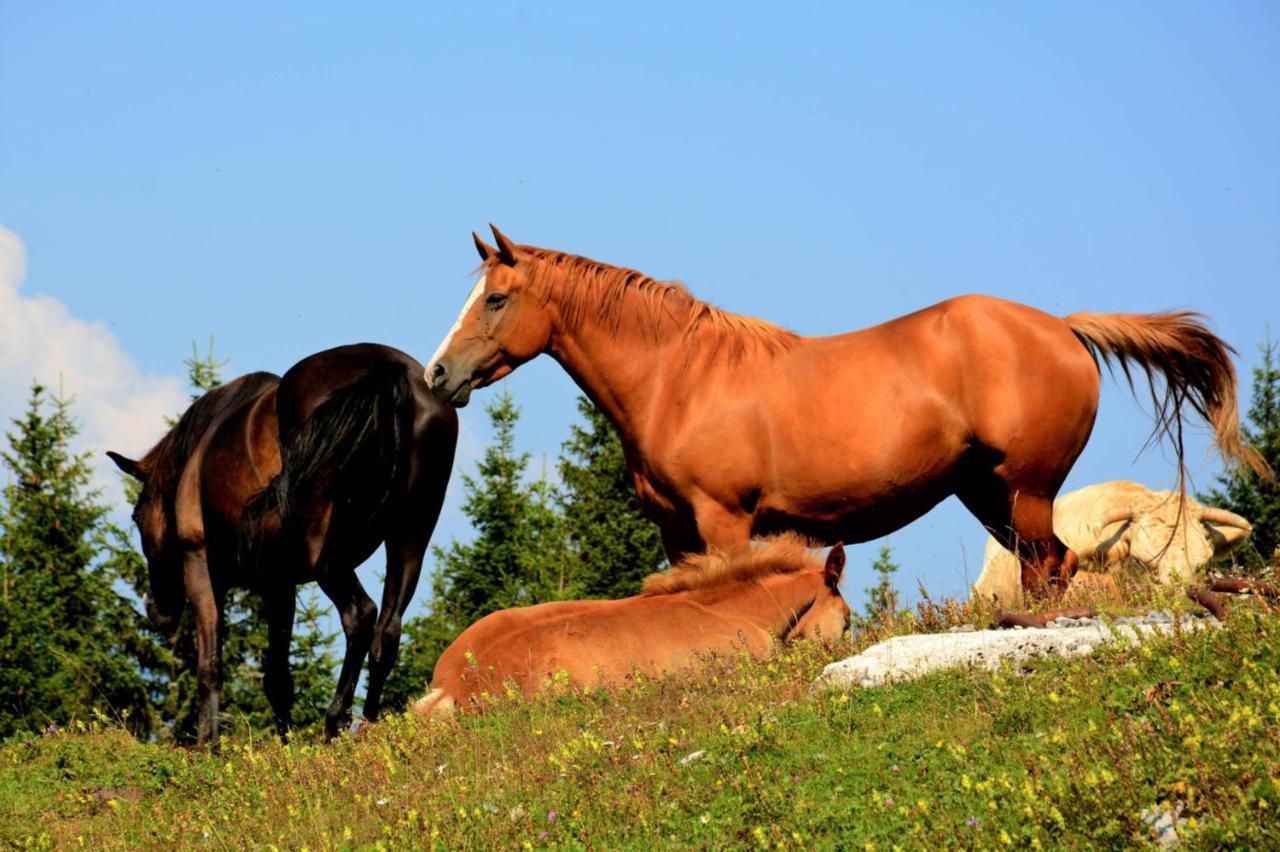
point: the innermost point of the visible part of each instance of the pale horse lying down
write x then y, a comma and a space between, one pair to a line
1111, 522
744, 598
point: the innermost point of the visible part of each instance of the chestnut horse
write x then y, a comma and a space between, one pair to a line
268, 483
745, 598
733, 427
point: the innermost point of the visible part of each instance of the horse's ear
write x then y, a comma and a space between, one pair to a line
486, 251
128, 465
834, 569
506, 248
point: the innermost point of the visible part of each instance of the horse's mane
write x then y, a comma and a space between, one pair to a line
582, 286
164, 462
787, 553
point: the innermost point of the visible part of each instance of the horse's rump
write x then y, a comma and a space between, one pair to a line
354, 446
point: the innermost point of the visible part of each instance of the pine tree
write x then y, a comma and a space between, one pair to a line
1241, 489
203, 373
70, 646
614, 544
882, 598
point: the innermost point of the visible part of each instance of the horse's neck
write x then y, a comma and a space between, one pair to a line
773, 602
624, 370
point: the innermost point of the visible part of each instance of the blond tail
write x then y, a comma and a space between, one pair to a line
1195, 365
434, 703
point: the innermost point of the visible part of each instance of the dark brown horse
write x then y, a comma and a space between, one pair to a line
268, 483
733, 427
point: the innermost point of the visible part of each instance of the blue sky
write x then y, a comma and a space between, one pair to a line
289, 178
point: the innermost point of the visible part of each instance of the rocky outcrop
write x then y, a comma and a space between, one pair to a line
907, 657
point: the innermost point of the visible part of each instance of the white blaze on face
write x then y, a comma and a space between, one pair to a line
448, 338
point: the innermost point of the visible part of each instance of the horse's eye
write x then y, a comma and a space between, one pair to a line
494, 301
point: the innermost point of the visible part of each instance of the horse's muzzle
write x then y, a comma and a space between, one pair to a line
461, 396
437, 377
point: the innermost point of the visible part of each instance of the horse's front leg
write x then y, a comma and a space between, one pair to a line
206, 605
678, 541
720, 526
277, 676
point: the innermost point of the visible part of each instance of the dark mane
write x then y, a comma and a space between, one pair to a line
749, 560
582, 286
164, 462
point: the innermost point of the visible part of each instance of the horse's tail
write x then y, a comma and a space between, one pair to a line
355, 447
434, 703
1197, 371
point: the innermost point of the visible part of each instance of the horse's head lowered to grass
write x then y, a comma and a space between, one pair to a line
165, 599
159, 472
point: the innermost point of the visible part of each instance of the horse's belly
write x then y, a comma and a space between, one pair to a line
862, 507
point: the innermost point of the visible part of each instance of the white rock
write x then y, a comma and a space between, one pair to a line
692, 756
907, 657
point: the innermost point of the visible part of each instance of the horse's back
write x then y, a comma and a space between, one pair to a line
879, 424
517, 644
594, 643
310, 382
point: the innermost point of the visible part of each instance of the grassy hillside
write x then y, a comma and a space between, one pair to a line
1068, 755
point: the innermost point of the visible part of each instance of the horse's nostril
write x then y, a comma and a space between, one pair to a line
438, 372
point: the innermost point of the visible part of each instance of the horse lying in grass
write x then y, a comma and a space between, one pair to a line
733, 427
270, 482
1111, 524
744, 598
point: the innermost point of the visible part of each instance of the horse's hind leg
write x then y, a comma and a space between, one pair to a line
277, 676
405, 552
1022, 521
406, 545
357, 612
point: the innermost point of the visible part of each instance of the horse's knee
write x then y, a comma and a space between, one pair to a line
721, 527
359, 617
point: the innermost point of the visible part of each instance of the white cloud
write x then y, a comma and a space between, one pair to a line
117, 405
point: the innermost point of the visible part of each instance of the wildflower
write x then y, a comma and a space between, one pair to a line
551, 817
705, 818
893, 768
542, 836
888, 802
972, 821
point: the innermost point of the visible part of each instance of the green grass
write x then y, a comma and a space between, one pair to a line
1066, 755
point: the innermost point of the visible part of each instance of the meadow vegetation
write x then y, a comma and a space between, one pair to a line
1064, 754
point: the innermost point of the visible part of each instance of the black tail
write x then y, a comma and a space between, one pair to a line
354, 449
